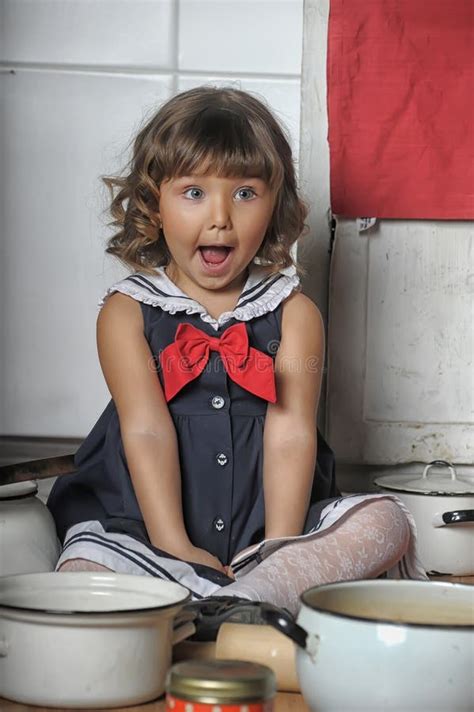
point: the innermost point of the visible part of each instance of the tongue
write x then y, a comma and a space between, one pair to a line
214, 255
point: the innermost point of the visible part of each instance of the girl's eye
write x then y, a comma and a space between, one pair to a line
195, 193
246, 193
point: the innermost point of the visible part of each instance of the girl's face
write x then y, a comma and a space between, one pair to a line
213, 227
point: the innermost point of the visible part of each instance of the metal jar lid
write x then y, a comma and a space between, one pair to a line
221, 681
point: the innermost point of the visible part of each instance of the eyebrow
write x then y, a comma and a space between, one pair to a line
198, 177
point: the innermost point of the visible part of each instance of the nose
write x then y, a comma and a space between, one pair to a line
219, 212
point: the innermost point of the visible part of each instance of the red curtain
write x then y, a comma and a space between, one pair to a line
401, 108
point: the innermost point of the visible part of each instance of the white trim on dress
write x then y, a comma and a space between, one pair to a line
158, 290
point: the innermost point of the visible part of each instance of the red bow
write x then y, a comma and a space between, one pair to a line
184, 359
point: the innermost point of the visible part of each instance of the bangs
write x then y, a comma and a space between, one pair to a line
222, 142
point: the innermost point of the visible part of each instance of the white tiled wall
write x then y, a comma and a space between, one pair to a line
77, 79
124, 33
255, 37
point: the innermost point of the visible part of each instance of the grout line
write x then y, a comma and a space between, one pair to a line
13, 67
176, 28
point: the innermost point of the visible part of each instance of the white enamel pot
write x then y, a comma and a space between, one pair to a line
28, 540
442, 504
88, 640
384, 646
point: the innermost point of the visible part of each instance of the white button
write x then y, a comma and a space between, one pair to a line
218, 402
222, 459
219, 524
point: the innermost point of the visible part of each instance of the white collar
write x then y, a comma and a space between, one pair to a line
263, 291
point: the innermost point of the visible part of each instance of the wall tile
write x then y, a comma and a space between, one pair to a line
258, 36
282, 95
62, 131
136, 33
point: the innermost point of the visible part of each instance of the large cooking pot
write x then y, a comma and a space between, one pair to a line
28, 541
443, 508
87, 639
391, 646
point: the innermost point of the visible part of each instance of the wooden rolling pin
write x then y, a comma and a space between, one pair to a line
256, 643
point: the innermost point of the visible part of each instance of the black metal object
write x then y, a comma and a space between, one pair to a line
459, 517
285, 623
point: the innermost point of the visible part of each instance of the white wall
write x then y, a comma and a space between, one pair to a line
77, 79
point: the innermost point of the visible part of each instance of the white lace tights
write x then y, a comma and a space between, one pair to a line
369, 540
366, 542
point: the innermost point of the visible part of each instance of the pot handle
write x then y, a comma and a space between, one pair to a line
3, 648
439, 463
281, 621
460, 516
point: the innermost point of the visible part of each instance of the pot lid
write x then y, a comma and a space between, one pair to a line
429, 482
18, 489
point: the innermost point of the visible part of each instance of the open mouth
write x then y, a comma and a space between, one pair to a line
215, 254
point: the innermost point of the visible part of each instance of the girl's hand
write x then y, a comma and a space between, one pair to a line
201, 556
228, 569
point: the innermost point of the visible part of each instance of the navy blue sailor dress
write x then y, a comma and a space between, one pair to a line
219, 427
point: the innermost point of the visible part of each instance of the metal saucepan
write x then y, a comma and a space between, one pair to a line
443, 508
397, 646
87, 639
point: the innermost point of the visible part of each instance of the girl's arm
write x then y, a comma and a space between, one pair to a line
290, 433
146, 427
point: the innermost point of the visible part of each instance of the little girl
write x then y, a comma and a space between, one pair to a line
214, 360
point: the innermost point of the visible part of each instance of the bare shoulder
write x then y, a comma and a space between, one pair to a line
298, 304
120, 334
299, 361
302, 321
120, 309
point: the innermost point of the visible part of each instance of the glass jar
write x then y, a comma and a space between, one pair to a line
220, 686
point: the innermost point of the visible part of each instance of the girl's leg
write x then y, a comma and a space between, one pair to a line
82, 565
364, 543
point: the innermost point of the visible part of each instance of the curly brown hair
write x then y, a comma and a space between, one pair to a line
207, 129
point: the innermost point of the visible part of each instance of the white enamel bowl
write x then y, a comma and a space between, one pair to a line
384, 646
391, 646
